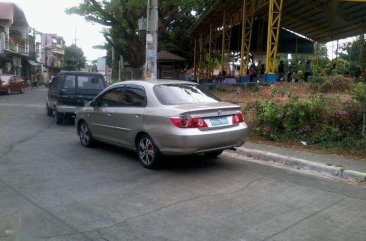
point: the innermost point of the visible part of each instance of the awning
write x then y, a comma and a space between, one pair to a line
34, 63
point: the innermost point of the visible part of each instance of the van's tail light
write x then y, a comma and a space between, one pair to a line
60, 101
188, 122
238, 118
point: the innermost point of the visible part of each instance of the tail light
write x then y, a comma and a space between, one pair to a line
189, 122
60, 101
238, 118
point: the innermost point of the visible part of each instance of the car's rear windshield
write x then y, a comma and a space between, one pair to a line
84, 82
178, 94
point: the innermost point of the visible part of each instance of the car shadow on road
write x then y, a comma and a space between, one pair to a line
167, 163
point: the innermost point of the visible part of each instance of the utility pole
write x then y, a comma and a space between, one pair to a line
151, 64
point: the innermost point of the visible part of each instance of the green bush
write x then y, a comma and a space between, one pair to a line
316, 120
359, 92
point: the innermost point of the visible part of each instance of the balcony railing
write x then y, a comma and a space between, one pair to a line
13, 47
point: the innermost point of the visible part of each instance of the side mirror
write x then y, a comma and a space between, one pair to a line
93, 103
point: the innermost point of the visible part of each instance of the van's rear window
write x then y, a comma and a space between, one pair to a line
91, 82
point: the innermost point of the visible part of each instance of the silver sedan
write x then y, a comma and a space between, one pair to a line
160, 117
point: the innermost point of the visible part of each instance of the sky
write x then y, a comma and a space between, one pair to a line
48, 16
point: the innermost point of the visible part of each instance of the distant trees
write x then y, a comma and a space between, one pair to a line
74, 58
176, 18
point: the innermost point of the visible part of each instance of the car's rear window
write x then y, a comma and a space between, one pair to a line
178, 94
91, 82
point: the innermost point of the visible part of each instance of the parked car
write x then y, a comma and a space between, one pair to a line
11, 83
161, 117
70, 90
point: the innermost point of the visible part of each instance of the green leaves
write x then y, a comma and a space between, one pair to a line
74, 58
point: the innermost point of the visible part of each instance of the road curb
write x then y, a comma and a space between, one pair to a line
303, 164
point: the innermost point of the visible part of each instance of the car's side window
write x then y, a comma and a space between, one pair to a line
134, 96
111, 99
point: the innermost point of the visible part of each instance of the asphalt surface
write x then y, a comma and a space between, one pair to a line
52, 188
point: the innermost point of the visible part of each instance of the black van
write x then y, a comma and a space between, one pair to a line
69, 90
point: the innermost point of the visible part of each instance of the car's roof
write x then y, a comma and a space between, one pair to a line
152, 82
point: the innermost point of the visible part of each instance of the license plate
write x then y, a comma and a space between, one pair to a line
219, 121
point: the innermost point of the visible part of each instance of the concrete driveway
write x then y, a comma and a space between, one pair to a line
55, 189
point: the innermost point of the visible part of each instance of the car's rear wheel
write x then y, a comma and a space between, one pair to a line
148, 153
59, 118
214, 154
86, 138
49, 111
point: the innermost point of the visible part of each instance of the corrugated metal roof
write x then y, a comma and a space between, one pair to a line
167, 56
320, 20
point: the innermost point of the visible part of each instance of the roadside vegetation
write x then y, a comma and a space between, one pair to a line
326, 115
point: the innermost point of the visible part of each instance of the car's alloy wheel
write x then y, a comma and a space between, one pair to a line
86, 138
148, 153
59, 118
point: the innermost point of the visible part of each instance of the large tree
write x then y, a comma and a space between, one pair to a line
74, 58
120, 18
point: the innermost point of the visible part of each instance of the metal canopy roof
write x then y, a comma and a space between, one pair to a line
319, 20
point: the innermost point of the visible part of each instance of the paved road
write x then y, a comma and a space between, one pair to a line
62, 191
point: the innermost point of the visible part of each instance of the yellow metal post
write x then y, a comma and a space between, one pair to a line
274, 26
247, 26
200, 75
210, 71
223, 43
195, 60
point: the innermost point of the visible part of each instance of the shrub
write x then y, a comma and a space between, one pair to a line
359, 92
336, 83
267, 120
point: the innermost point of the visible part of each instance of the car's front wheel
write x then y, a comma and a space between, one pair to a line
148, 153
86, 138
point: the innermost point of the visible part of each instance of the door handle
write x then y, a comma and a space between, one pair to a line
109, 114
137, 116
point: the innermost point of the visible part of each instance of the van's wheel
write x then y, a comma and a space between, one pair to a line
86, 138
59, 118
49, 111
213, 154
148, 153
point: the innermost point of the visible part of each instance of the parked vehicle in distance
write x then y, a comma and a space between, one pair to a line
70, 90
11, 83
161, 117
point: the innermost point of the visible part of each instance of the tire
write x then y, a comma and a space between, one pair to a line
49, 111
213, 154
21, 90
86, 138
148, 153
8, 91
59, 118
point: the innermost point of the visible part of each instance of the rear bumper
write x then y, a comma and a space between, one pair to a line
66, 109
193, 141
